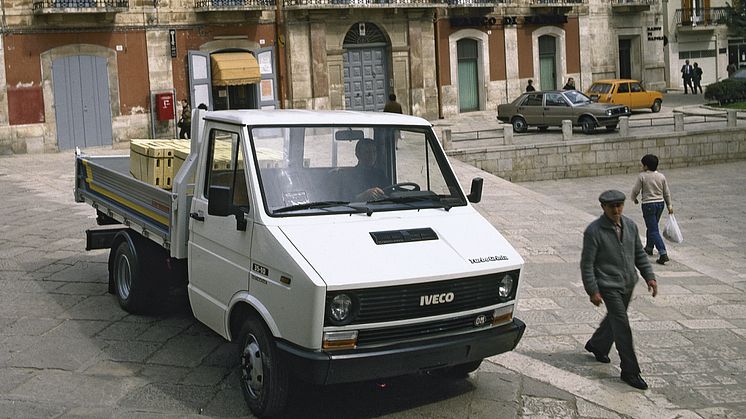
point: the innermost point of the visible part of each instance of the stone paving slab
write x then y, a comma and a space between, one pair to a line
67, 349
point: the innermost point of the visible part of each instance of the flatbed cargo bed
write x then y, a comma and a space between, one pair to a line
106, 184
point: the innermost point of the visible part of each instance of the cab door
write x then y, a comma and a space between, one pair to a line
556, 108
220, 227
638, 96
622, 96
532, 109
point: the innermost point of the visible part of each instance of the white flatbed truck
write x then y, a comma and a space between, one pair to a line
332, 246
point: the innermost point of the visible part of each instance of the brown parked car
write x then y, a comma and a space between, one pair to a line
551, 107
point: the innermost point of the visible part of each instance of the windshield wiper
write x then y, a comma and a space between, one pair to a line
316, 205
405, 199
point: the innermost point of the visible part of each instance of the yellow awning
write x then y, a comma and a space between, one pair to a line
234, 68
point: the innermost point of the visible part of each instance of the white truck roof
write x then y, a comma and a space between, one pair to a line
307, 117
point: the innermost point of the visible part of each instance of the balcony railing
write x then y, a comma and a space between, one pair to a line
702, 16
232, 5
332, 4
626, 6
557, 3
80, 6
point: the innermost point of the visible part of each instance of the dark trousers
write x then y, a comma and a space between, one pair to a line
697, 85
688, 84
615, 329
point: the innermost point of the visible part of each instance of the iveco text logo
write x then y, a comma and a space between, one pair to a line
426, 300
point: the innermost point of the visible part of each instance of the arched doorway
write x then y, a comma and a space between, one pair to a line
365, 67
547, 62
468, 74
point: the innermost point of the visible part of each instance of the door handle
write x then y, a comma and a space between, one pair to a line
197, 216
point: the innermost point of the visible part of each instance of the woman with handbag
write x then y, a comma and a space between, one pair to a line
654, 188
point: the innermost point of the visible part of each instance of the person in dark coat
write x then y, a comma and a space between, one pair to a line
697, 78
185, 123
687, 72
570, 85
611, 251
530, 86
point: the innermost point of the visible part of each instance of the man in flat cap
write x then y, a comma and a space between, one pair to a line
611, 251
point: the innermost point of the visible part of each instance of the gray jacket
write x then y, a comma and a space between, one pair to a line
607, 262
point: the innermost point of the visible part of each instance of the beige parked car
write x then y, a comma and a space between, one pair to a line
550, 108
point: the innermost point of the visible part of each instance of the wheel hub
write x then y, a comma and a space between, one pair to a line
124, 277
252, 370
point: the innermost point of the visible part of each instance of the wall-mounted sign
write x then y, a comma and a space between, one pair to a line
473, 21
535, 20
655, 33
172, 41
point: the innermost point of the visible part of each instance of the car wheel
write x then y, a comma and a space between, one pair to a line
543, 128
264, 379
656, 106
587, 124
611, 128
519, 124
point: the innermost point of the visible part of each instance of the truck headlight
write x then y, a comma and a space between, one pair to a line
341, 309
505, 287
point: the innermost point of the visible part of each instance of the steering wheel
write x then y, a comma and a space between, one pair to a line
401, 187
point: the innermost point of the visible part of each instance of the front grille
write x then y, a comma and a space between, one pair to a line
368, 337
412, 301
617, 111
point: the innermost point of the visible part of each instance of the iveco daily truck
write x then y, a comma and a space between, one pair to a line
332, 246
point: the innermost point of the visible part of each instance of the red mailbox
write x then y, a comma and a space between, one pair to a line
164, 104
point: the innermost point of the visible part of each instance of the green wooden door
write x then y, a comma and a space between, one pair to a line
468, 75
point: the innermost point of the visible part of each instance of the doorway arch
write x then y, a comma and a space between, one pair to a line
366, 67
481, 44
560, 62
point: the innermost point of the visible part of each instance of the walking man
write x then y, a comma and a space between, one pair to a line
611, 251
687, 72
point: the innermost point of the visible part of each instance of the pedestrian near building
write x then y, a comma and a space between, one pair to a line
393, 106
530, 86
185, 122
697, 78
570, 85
687, 72
611, 252
731, 69
655, 193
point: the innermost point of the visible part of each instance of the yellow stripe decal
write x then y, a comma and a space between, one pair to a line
131, 205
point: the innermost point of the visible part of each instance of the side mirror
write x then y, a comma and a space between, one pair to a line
475, 195
219, 204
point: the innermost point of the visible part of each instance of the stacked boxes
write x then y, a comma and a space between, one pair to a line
152, 161
157, 161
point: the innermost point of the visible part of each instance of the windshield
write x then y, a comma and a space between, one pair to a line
312, 170
576, 97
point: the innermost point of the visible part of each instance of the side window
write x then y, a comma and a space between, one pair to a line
623, 88
533, 99
555, 99
635, 87
226, 169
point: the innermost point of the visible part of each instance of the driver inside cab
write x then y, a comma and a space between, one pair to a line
365, 179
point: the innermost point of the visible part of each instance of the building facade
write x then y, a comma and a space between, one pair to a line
101, 72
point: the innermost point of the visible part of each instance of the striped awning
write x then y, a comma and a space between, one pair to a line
234, 68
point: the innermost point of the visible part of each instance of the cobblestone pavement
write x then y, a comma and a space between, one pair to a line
68, 350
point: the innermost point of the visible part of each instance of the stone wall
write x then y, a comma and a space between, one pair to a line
606, 156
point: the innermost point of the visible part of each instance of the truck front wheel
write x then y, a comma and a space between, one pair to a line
264, 380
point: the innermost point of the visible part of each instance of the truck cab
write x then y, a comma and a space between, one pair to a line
337, 247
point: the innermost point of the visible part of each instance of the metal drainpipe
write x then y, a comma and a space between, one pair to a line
437, 64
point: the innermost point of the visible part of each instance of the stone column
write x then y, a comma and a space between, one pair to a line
624, 126
319, 69
586, 66
513, 83
732, 117
416, 79
678, 122
566, 129
3, 85
299, 64
160, 76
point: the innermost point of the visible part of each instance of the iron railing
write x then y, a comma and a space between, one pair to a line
234, 4
632, 2
557, 3
321, 4
81, 4
702, 16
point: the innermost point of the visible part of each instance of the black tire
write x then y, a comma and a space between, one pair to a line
587, 124
264, 380
656, 106
519, 124
611, 128
543, 128
130, 285
461, 370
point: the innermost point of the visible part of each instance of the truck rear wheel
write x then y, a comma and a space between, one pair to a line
129, 284
264, 380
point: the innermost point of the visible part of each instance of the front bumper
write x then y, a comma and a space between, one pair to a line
333, 367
